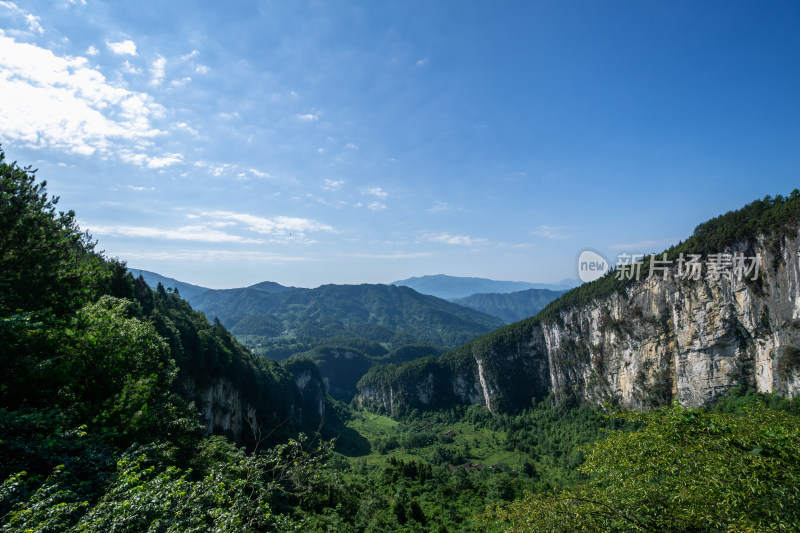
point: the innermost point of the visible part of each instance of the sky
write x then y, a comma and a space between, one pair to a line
310, 142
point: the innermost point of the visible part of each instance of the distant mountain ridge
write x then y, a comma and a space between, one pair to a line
454, 287
186, 290
512, 306
388, 314
379, 313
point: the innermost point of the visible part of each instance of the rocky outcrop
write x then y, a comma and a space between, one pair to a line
652, 342
226, 409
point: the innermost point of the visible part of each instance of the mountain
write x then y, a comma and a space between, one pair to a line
341, 367
379, 313
186, 290
512, 306
452, 287
638, 343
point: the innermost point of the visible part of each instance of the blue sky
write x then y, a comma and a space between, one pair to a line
346, 142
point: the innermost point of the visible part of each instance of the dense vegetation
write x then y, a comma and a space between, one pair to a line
341, 365
684, 470
513, 306
98, 431
386, 314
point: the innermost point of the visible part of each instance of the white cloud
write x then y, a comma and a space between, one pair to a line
259, 174
61, 102
188, 128
75, 2
308, 117
446, 238
186, 233
224, 114
130, 69
126, 47
33, 23
134, 188
351, 146
190, 55
31, 20
144, 160
376, 191
376, 206
332, 185
212, 256
202, 69
643, 245
551, 232
393, 255
181, 82
279, 225
165, 161
440, 207
157, 70
92, 51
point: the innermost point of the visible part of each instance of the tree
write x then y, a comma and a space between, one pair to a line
46, 262
684, 470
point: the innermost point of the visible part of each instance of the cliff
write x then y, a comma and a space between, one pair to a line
636, 344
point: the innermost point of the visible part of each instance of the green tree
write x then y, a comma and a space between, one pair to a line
46, 262
684, 470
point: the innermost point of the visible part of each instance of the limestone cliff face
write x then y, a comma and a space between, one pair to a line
226, 409
656, 341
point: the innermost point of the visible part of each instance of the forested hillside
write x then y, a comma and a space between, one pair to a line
510, 307
99, 431
117, 409
386, 314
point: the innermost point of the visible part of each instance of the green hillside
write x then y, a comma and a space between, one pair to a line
510, 307
392, 316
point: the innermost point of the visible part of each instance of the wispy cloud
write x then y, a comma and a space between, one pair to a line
332, 185
308, 117
376, 191
198, 233
63, 103
148, 161
440, 207
460, 240
643, 245
376, 206
392, 255
32, 21
278, 225
126, 47
135, 188
259, 174
202, 69
211, 256
551, 232
158, 70
92, 51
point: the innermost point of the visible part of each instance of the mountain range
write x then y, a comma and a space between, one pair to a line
454, 287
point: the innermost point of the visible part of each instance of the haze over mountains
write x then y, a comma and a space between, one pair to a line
508, 300
453, 287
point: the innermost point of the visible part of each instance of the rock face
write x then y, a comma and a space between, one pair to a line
656, 341
226, 409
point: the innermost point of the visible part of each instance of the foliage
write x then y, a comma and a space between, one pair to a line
46, 263
510, 307
684, 469
393, 316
